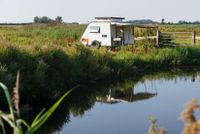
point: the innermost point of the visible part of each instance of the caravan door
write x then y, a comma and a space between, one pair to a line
117, 33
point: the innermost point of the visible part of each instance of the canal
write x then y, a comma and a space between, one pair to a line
124, 107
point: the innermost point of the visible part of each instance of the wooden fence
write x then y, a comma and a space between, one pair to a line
173, 38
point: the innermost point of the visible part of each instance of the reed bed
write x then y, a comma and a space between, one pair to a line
51, 67
47, 63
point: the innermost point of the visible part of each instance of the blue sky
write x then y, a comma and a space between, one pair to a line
86, 10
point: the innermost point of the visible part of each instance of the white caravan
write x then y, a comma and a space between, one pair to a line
108, 31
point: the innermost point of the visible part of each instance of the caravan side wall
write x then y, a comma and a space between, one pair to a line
97, 31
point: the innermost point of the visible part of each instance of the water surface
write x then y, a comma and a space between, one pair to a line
125, 107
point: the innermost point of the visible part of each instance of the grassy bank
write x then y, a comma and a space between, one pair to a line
48, 66
49, 70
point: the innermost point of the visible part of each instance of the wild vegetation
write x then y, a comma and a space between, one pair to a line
13, 117
49, 65
40, 34
54, 68
47, 62
180, 28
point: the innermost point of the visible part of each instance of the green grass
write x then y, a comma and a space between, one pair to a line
180, 28
40, 34
54, 68
49, 66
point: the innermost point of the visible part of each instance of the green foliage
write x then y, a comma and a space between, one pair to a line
43, 19
54, 68
40, 34
58, 19
47, 64
42, 117
16, 123
141, 32
162, 21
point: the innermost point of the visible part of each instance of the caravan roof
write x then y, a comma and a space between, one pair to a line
108, 18
111, 19
122, 23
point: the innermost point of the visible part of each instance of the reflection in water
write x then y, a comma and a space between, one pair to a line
84, 99
117, 96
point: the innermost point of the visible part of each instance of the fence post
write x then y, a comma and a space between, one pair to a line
157, 37
194, 38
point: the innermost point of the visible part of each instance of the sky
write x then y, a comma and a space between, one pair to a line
83, 11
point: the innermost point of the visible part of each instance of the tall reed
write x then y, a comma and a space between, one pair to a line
15, 122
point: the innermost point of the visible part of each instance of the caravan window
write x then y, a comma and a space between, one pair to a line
95, 29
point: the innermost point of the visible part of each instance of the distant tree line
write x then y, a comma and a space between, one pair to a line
163, 22
58, 19
188, 22
45, 19
143, 21
179, 22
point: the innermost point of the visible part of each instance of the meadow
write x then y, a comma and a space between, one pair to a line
180, 28
49, 64
40, 34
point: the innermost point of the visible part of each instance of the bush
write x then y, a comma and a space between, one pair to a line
49, 69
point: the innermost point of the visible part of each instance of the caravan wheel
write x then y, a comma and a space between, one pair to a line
96, 44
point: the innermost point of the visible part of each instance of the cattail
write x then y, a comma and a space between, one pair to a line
162, 131
192, 125
16, 96
154, 129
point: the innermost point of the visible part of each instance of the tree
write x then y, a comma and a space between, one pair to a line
43, 19
59, 19
36, 19
163, 21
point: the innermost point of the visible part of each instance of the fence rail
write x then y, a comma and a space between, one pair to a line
173, 38
198, 38
178, 32
146, 37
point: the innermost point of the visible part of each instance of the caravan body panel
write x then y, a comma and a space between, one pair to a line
97, 31
108, 31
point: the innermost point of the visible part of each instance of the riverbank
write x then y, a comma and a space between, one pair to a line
47, 71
